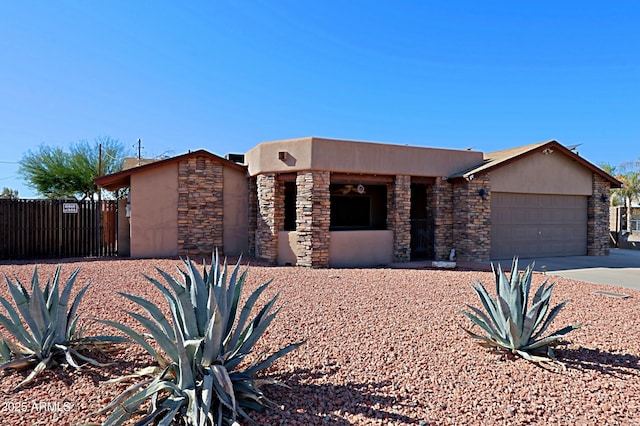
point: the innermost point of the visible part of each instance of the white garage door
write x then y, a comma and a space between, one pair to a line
536, 225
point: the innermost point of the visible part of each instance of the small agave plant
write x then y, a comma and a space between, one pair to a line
52, 335
201, 378
510, 323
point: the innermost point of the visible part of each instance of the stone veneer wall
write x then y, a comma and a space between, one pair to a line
442, 196
253, 214
200, 207
399, 217
472, 220
313, 216
270, 216
598, 218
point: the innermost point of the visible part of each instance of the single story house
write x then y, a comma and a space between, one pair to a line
323, 202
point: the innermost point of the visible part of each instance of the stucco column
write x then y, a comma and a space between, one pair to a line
399, 217
598, 217
270, 216
443, 219
472, 219
313, 216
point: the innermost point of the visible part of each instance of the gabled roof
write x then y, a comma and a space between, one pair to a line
122, 178
497, 159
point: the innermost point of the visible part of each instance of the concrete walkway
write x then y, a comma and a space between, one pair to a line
620, 268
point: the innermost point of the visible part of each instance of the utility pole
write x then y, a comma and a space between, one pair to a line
139, 150
100, 159
99, 227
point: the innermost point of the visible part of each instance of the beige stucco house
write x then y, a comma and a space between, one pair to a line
322, 202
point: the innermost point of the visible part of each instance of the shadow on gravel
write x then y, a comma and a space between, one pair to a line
68, 375
323, 403
613, 364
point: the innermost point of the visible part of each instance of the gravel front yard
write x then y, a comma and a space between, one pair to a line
384, 347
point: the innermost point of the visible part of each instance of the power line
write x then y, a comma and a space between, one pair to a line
9, 162
106, 153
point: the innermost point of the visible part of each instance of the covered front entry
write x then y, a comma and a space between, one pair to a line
421, 222
538, 225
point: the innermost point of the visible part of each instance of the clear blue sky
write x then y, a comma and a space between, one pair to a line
227, 75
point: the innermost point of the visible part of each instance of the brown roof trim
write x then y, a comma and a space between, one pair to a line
122, 178
495, 160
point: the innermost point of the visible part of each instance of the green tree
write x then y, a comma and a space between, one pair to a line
9, 193
629, 174
615, 199
56, 173
629, 192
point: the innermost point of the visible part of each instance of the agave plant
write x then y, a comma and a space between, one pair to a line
202, 377
510, 323
52, 335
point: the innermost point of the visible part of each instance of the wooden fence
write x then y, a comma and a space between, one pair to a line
31, 229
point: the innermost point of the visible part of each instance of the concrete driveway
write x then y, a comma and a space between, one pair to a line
620, 268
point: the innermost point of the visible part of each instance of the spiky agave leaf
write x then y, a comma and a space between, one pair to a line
51, 336
5, 352
508, 320
14, 325
209, 341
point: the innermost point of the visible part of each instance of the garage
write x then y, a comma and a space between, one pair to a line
538, 225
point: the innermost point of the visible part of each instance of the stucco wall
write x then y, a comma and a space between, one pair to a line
287, 247
360, 248
543, 174
346, 248
235, 212
154, 213
358, 157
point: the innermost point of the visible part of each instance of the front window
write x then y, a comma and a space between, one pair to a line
358, 207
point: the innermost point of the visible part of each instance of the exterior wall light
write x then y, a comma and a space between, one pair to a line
547, 151
483, 193
604, 198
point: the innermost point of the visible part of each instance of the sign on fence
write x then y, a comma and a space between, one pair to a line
70, 208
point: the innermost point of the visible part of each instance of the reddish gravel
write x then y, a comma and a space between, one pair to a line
383, 347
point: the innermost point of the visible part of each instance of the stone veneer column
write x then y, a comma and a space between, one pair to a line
313, 216
399, 217
472, 220
200, 207
270, 216
598, 217
443, 218
253, 215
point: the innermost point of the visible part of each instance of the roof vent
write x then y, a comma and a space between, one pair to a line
236, 158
